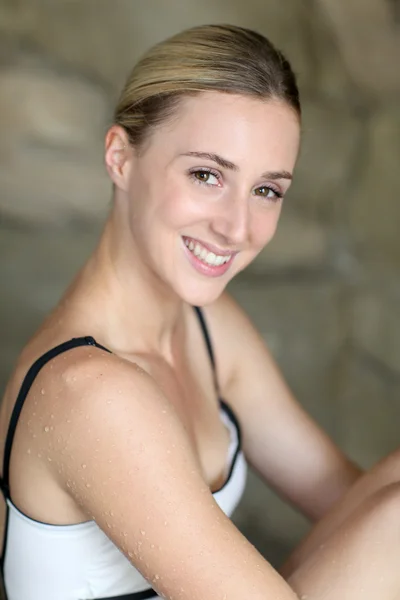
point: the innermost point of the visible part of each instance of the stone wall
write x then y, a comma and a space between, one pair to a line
324, 293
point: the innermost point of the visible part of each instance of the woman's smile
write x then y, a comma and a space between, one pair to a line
207, 259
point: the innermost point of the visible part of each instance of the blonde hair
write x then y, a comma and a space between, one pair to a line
222, 58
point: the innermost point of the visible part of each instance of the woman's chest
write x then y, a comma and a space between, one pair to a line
190, 388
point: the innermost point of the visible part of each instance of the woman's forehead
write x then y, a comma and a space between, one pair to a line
233, 126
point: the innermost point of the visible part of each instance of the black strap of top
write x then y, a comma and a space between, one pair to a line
144, 595
207, 339
25, 387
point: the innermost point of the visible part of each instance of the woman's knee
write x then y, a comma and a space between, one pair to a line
384, 505
388, 469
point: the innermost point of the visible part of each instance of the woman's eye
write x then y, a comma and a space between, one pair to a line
205, 177
268, 192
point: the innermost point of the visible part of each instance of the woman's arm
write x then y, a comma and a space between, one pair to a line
281, 441
126, 459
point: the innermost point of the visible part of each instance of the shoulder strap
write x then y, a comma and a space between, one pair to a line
207, 339
23, 392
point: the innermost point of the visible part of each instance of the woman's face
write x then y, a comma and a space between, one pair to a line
206, 194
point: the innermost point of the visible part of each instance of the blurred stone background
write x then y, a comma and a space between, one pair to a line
325, 293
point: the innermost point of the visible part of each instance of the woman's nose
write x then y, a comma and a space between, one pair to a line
232, 221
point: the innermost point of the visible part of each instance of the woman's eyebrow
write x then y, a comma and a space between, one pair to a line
222, 162
227, 164
277, 175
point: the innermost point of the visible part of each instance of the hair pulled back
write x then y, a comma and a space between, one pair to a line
221, 58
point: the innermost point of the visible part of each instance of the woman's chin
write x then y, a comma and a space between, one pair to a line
201, 295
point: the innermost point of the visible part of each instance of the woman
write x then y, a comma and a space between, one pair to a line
123, 456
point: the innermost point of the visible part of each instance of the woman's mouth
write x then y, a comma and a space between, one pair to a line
209, 262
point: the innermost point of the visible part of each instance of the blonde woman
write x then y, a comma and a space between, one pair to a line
131, 414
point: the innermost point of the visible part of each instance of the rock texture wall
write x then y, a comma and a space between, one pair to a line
325, 293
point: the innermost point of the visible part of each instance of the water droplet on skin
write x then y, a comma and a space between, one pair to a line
88, 485
156, 577
51, 416
49, 459
47, 429
142, 532
83, 466
42, 391
29, 451
125, 534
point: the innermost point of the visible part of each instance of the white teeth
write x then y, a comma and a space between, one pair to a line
210, 258
204, 255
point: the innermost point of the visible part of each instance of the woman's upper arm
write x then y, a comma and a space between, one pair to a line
130, 465
281, 441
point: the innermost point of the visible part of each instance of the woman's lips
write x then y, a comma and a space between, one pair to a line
209, 269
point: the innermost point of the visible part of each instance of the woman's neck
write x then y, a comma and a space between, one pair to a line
131, 306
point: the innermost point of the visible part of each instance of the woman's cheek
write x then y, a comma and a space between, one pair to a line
264, 230
181, 211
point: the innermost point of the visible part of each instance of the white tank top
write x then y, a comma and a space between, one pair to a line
79, 562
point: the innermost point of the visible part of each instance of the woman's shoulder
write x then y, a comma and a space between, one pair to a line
79, 367
95, 401
65, 373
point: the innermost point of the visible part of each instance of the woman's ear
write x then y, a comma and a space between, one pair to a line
118, 156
